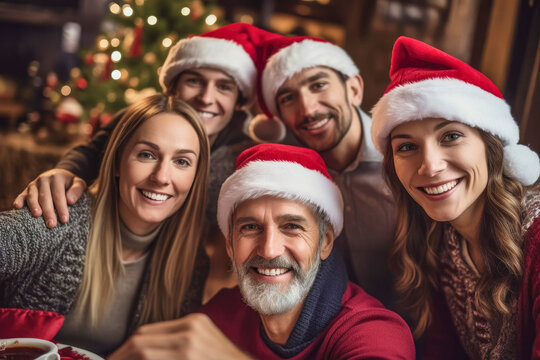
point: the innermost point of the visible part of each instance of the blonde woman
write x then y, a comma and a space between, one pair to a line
130, 255
468, 228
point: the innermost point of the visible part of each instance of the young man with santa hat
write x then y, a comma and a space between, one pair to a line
294, 300
215, 73
315, 88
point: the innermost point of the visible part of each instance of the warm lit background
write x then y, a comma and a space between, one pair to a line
68, 65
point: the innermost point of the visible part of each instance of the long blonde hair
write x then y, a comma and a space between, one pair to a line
418, 238
174, 251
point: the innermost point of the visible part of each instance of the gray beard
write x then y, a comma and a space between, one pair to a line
271, 298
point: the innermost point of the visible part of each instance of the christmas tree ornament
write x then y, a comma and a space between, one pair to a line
149, 58
69, 111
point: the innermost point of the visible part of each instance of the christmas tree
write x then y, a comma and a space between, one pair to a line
124, 64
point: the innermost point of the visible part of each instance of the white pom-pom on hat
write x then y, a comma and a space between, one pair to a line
262, 129
521, 163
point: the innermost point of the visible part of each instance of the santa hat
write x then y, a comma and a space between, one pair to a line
426, 82
231, 48
282, 57
283, 171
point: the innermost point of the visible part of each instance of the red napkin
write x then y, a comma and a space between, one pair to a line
68, 353
26, 323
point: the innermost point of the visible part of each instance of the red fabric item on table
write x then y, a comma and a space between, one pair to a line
24, 323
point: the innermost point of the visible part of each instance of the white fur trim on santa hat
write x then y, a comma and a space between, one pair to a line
297, 57
447, 98
199, 51
283, 179
521, 163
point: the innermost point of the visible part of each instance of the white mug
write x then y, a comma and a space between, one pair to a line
49, 348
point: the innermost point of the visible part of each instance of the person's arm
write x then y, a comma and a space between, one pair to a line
194, 336
84, 160
63, 185
532, 279
20, 244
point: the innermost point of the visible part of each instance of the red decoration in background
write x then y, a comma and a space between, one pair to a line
64, 118
136, 47
105, 118
98, 121
106, 74
82, 83
89, 59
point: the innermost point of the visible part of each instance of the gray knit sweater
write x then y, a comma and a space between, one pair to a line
41, 268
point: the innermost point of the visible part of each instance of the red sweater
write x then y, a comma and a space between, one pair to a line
441, 340
363, 329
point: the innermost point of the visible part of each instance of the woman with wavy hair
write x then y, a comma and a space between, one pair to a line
131, 253
468, 227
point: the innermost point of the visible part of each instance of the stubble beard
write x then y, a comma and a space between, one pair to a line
342, 128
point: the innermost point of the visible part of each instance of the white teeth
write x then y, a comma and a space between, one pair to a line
205, 114
317, 124
154, 196
436, 190
272, 272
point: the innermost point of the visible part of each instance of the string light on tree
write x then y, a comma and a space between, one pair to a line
149, 58
103, 43
124, 74
167, 42
116, 56
111, 97
246, 18
211, 19
127, 10
75, 73
152, 20
116, 74
185, 11
133, 82
115, 42
114, 8
65, 90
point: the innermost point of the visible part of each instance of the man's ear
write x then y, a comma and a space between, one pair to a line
355, 89
327, 243
228, 245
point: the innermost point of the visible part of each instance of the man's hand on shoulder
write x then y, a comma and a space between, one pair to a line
53, 189
194, 336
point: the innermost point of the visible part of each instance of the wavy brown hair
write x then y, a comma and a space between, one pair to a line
414, 254
173, 253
